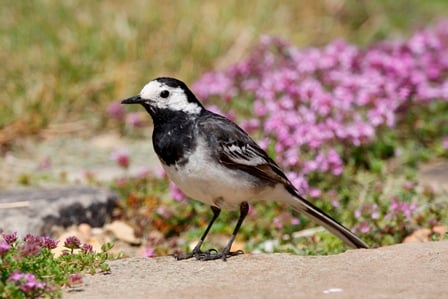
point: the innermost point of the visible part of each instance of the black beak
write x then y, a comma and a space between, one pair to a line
133, 100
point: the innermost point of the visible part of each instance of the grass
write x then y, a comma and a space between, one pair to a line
64, 61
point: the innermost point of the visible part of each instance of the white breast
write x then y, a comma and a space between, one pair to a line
205, 180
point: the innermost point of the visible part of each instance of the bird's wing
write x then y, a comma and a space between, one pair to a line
235, 149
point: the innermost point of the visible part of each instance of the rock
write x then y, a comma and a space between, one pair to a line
414, 270
420, 235
85, 230
37, 211
434, 174
425, 235
440, 230
123, 231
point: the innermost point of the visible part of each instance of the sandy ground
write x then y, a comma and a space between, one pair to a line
413, 270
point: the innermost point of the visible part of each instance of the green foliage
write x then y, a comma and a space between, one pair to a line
29, 268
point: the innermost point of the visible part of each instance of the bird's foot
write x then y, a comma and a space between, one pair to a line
196, 253
183, 256
211, 255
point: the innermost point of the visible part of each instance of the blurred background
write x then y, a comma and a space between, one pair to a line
63, 62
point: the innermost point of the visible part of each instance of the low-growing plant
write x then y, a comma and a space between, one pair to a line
30, 269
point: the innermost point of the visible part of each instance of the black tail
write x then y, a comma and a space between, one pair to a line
302, 205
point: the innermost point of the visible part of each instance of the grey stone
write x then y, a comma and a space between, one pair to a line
414, 270
36, 211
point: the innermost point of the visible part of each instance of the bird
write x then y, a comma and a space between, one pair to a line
213, 160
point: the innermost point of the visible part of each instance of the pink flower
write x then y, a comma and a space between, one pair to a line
250, 125
143, 173
219, 84
150, 252
135, 119
45, 163
74, 279
278, 223
160, 172
335, 203
72, 243
398, 207
116, 110
295, 221
27, 281
4, 248
164, 212
445, 144
375, 215
31, 247
177, 194
86, 248
364, 227
315, 193
9, 238
409, 185
121, 157
49, 243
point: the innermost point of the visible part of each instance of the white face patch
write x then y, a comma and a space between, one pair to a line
176, 99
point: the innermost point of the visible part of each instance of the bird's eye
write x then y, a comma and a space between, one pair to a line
164, 93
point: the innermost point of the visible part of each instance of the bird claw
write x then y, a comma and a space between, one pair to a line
209, 255
183, 256
195, 253
214, 255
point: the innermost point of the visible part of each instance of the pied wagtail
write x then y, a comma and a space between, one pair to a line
213, 160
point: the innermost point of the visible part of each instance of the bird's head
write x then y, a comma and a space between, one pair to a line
166, 93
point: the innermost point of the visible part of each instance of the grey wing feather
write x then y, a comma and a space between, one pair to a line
238, 150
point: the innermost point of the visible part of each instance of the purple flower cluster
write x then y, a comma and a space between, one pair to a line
86, 248
121, 157
116, 111
25, 269
4, 248
177, 194
285, 219
366, 217
132, 119
33, 245
400, 208
311, 103
372, 218
72, 242
27, 282
9, 238
74, 279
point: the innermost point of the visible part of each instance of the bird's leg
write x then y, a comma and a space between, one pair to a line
244, 210
197, 249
